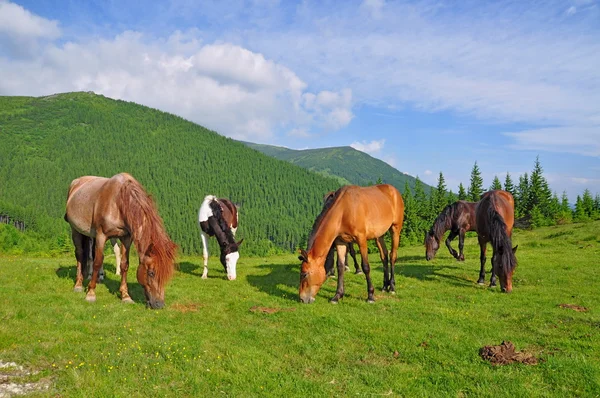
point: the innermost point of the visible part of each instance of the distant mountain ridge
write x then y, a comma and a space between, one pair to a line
346, 164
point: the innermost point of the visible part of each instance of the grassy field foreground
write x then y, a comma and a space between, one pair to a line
212, 340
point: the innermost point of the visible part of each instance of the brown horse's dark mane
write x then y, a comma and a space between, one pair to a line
225, 235
443, 222
140, 214
501, 242
330, 200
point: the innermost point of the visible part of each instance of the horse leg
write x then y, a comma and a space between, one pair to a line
339, 293
346, 267
394, 255
383, 255
357, 270
483, 249
329, 271
80, 256
98, 260
461, 244
364, 255
117, 250
493, 271
124, 267
449, 240
204, 238
89, 258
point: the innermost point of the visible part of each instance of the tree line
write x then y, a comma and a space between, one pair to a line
536, 204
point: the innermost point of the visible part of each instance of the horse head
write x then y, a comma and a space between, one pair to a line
312, 277
432, 244
229, 257
503, 263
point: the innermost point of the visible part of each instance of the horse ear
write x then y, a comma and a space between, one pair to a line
240, 241
150, 249
514, 249
303, 255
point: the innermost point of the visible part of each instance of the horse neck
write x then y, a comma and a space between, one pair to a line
442, 223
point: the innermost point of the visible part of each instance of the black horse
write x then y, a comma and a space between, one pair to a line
459, 217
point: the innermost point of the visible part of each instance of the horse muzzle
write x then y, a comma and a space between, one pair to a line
155, 304
307, 299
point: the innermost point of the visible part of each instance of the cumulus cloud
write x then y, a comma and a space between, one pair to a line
225, 87
575, 139
371, 148
428, 172
21, 31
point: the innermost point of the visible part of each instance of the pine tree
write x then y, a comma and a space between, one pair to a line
539, 192
522, 196
565, 215
579, 212
495, 184
509, 186
451, 198
587, 203
440, 201
476, 186
411, 231
462, 194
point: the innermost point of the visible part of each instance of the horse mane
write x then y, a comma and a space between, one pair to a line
330, 199
139, 213
443, 222
225, 236
501, 242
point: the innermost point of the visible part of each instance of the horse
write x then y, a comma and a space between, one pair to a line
495, 219
458, 217
219, 218
101, 208
355, 214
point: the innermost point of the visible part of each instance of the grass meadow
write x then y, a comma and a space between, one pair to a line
251, 337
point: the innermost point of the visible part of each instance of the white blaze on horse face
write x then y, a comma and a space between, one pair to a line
231, 262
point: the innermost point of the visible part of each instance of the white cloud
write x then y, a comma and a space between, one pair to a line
572, 10
374, 7
428, 172
225, 87
299, 133
371, 148
576, 139
20, 30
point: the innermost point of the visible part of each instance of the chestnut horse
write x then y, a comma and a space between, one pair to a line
219, 218
459, 217
495, 214
355, 214
330, 256
118, 207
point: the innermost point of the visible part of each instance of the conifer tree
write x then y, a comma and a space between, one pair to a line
522, 196
495, 184
462, 194
440, 199
476, 186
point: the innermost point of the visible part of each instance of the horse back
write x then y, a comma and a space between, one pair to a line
229, 212
503, 203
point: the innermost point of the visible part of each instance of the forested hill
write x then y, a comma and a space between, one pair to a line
46, 142
345, 163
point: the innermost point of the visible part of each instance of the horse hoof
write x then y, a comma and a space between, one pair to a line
90, 299
370, 301
393, 292
128, 300
204, 276
333, 301
358, 273
78, 289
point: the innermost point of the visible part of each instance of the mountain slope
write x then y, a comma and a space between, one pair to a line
346, 164
46, 142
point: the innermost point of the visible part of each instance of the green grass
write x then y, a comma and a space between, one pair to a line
424, 341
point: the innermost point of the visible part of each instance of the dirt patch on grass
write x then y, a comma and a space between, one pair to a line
505, 354
14, 380
574, 307
190, 307
269, 310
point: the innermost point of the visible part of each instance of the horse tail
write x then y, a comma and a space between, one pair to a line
501, 241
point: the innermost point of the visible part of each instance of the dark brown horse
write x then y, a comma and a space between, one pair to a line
102, 208
219, 218
355, 214
459, 217
495, 218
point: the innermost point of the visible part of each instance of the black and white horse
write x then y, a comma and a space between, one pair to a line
219, 218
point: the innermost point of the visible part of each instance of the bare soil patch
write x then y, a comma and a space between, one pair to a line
574, 307
269, 310
190, 307
12, 380
505, 354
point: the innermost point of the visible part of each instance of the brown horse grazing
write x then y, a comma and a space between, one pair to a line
102, 208
495, 218
350, 249
355, 214
459, 217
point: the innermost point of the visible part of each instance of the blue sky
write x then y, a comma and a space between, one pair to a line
426, 86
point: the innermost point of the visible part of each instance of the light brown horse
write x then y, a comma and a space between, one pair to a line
495, 215
118, 207
355, 214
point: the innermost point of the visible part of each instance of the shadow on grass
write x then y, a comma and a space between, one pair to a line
433, 273
279, 274
136, 291
217, 272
